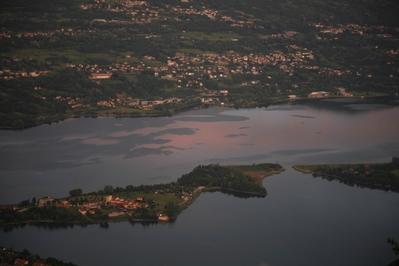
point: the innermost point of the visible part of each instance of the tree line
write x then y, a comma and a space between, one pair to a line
380, 176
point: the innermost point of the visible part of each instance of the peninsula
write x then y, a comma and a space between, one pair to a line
144, 203
384, 176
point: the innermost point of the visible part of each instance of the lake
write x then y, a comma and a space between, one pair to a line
303, 220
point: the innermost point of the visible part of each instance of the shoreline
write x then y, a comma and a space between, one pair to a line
304, 171
42, 120
365, 175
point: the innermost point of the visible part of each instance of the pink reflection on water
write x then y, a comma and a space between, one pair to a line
100, 142
268, 130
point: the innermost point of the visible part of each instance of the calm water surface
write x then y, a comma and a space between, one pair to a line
302, 221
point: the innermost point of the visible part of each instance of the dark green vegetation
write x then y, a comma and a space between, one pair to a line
261, 51
11, 257
383, 176
395, 249
140, 203
242, 178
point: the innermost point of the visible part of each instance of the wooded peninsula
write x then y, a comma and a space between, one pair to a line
144, 203
384, 176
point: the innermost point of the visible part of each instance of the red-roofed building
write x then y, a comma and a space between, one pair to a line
20, 262
101, 76
40, 264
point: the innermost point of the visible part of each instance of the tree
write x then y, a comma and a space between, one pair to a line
108, 189
172, 209
395, 246
75, 192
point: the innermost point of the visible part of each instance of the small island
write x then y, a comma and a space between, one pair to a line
384, 176
144, 203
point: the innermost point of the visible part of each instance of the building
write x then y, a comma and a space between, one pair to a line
101, 76
163, 218
224, 92
318, 94
40, 264
20, 262
108, 198
45, 201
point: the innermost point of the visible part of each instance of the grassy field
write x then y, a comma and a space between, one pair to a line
41, 55
368, 94
396, 172
194, 51
219, 36
305, 168
77, 57
161, 199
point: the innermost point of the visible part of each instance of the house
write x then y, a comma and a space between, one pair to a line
163, 218
100, 76
20, 262
40, 264
318, 94
33, 74
224, 92
108, 198
62, 205
45, 201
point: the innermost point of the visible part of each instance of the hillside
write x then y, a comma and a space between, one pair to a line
144, 58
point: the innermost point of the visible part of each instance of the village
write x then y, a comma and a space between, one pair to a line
95, 208
136, 58
109, 205
6, 253
193, 66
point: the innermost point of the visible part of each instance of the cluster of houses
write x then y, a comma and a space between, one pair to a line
22, 262
69, 31
124, 206
318, 94
207, 65
351, 27
8, 74
143, 12
188, 70
193, 68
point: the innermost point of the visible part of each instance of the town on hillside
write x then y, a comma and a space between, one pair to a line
146, 58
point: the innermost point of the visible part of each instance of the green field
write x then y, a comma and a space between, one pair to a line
194, 51
76, 57
219, 36
161, 199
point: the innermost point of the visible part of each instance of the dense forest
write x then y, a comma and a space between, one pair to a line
228, 178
